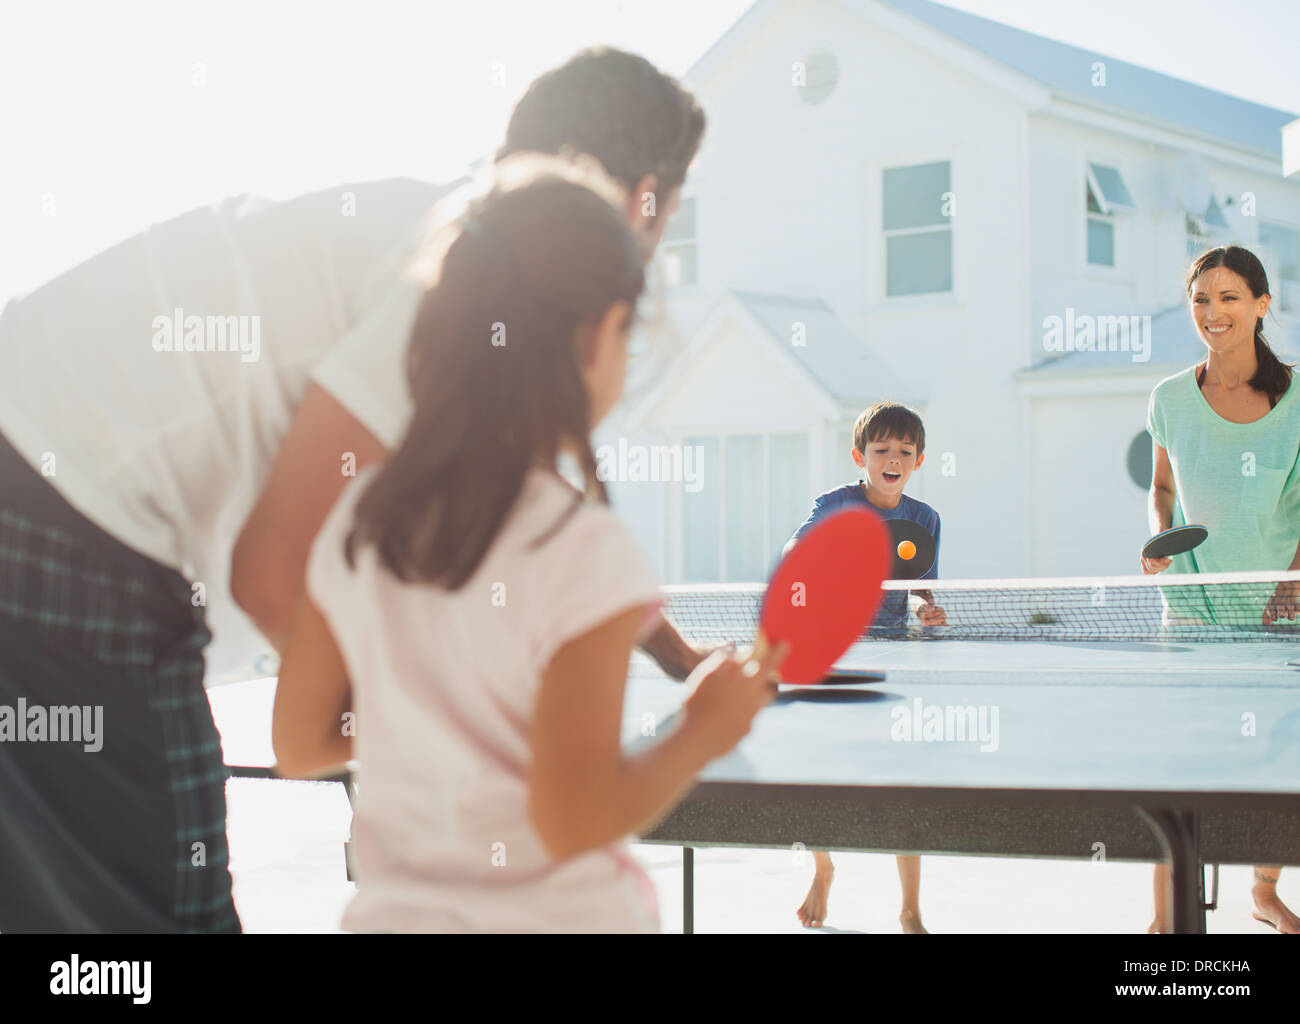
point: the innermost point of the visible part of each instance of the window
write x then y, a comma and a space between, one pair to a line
918, 231
754, 493
1106, 195
1214, 216
1284, 243
702, 517
1101, 234
1111, 190
1203, 232
679, 246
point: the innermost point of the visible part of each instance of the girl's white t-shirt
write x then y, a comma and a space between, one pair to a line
444, 685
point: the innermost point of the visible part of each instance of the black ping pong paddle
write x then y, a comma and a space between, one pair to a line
1175, 541
912, 548
849, 676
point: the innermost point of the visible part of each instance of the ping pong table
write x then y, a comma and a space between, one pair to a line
1135, 743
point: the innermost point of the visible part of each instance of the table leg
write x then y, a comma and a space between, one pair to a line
1178, 835
688, 890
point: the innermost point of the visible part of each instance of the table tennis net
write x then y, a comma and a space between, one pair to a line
1209, 606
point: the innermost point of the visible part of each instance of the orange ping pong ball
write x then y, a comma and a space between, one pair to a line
906, 550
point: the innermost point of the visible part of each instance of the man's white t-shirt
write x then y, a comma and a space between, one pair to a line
168, 450
444, 685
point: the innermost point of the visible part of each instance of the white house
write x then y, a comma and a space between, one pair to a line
900, 200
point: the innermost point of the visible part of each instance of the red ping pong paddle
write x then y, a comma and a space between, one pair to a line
825, 592
1175, 541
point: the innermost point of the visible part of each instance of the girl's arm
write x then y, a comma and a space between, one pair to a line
311, 700
584, 792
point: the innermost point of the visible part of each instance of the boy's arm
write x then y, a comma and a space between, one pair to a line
922, 601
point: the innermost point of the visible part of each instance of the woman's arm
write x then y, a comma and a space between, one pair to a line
1160, 514
312, 699
1285, 601
1160, 506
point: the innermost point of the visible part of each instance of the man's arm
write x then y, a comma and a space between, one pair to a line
312, 700
269, 565
671, 651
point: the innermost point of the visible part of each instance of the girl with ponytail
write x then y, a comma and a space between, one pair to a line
477, 611
1226, 437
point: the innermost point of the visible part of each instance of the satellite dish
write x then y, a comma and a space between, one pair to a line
1192, 185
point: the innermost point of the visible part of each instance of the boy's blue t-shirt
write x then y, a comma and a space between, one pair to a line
893, 610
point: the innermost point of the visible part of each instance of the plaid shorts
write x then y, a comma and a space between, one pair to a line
131, 836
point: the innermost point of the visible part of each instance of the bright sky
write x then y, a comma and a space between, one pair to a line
122, 114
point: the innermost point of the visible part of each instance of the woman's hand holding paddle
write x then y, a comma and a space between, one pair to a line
1158, 552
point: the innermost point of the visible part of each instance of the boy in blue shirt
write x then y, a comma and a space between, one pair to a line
888, 446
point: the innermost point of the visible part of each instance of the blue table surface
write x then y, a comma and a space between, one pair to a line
1168, 717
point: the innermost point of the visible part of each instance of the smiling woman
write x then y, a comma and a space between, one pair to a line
1226, 447
1229, 292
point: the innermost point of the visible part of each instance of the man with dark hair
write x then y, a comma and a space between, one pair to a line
177, 416
613, 105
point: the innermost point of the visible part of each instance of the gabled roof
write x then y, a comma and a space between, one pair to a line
1065, 72
832, 357
1131, 90
831, 353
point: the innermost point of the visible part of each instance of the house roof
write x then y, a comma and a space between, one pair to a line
1174, 342
1131, 90
831, 353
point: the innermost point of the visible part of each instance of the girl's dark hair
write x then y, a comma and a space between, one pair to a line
616, 107
1273, 376
520, 281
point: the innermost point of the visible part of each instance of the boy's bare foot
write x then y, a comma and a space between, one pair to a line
1272, 911
911, 922
1158, 927
813, 912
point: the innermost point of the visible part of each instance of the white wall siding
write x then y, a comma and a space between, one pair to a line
1088, 518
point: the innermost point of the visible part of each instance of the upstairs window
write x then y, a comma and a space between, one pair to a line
1283, 243
1206, 231
918, 230
680, 248
1106, 195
